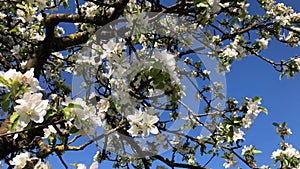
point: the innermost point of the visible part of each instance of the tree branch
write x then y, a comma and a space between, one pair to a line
180, 165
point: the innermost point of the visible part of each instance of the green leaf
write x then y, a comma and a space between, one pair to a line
3, 81
275, 124
202, 5
73, 130
256, 99
281, 75
236, 121
284, 124
72, 105
263, 110
14, 125
6, 102
14, 30
51, 139
160, 86
13, 117
286, 162
67, 112
14, 120
62, 138
257, 151
50, 113
5, 105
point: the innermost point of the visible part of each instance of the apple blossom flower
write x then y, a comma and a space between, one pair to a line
283, 131
85, 117
31, 107
142, 123
33, 82
191, 160
94, 165
230, 161
230, 52
214, 6
79, 166
263, 42
49, 131
238, 135
112, 47
247, 121
276, 153
253, 108
264, 167
247, 149
103, 105
289, 151
148, 124
20, 160
42, 165
38, 37
206, 72
167, 58
26, 78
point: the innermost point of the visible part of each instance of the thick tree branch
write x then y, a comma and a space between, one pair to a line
70, 41
52, 44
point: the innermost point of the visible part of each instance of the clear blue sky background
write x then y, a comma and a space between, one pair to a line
249, 77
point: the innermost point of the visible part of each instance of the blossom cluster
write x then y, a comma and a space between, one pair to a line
23, 159
22, 90
142, 123
288, 155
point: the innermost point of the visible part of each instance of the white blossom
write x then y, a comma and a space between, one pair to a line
276, 153
20, 160
85, 117
247, 121
263, 42
230, 52
230, 161
80, 166
142, 123
26, 78
238, 134
191, 160
264, 167
214, 6
112, 47
253, 107
148, 124
103, 105
42, 165
289, 151
49, 131
37, 36
246, 149
94, 165
31, 107
206, 72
